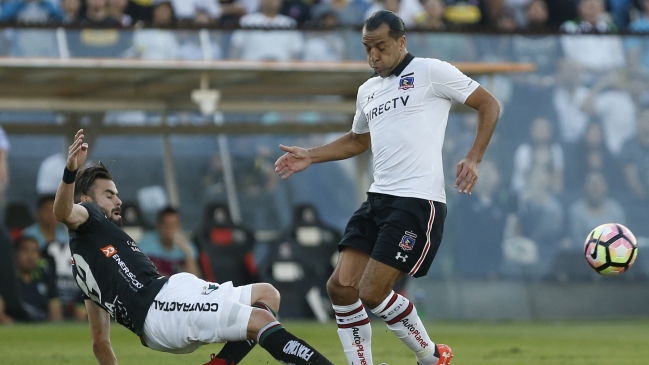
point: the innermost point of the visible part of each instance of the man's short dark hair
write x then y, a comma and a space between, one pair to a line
22, 241
397, 29
165, 211
44, 199
86, 178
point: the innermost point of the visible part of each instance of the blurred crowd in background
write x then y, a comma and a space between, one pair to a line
571, 150
571, 16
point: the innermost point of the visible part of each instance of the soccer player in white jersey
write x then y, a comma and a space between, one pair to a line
402, 113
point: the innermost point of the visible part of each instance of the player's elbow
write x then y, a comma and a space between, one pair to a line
61, 216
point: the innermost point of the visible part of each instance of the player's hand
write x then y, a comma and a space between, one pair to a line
467, 175
77, 152
294, 160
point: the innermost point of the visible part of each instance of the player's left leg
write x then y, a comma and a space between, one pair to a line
396, 310
281, 344
261, 295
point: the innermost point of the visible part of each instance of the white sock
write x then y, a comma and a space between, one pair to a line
402, 319
355, 333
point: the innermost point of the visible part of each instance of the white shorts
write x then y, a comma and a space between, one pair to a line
189, 312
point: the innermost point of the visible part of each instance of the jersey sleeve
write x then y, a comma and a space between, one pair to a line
360, 126
449, 82
94, 216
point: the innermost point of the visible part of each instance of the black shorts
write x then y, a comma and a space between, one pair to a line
404, 233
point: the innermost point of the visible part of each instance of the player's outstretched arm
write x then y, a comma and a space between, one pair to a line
488, 112
297, 159
100, 331
64, 208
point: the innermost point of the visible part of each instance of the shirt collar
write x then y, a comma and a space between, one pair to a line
401, 66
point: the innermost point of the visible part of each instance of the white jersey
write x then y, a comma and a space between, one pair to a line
406, 115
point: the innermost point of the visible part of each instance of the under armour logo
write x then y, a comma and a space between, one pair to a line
445, 355
399, 257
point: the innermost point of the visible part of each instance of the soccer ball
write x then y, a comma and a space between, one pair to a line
610, 249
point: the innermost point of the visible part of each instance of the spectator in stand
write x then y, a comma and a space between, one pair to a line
168, 248
349, 13
641, 24
36, 285
635, 162
620, 11
518, 9
432, 18
595, 208
560, 11
544, 51
116, 10
157, 43
536, 15
186, 11
406, 9
324, 46
141, 11
53, 242
478, 250
470, 12
4, 166
505, 22
71, 11
590, 154
30, 12
233, 10
569, 96
541, 155
300, 10
97, 15
592, 19
593, 53
46, 229
260, 45
610, 101
540, 213
638, 47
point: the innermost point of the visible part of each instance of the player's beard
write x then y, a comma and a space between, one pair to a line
117, 219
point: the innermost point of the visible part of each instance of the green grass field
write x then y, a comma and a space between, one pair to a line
521, 343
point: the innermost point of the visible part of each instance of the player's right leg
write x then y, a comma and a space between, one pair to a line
354, 329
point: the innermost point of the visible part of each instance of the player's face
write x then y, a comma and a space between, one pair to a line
383, 52
104, 193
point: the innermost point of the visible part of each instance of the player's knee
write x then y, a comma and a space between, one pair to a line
333, 286
371, 297
259, 318
269, 295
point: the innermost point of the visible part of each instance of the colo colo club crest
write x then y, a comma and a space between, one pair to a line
407, 82
408, 241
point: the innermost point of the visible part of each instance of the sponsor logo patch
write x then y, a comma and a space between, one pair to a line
408, 241
109, 251
358, 342
297, 349
406, 82
209, 289
185, 307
